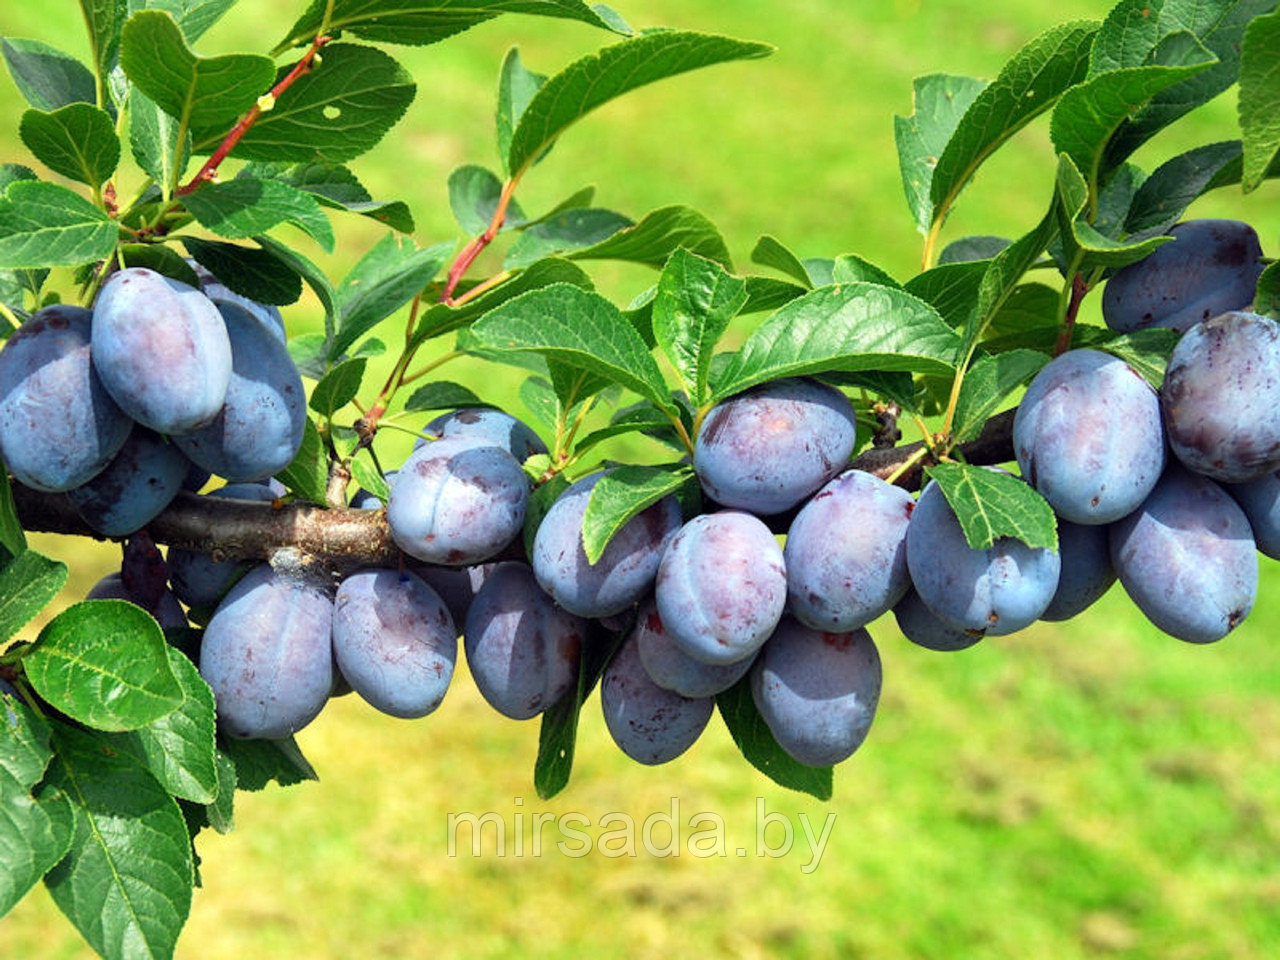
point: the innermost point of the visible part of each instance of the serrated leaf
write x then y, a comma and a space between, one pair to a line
1267, 301
950, 288
474, 194
939, 101
564, 233
178, 749
600, 77
847, 327
621, 494
126, 883
641, 418
242, 208
194, 17
761, 750
851, 268
1178, 182
105, 664
769, 293
1147, 351
336, 187
221, 812
309, 272
1260, 97
12, 537
161, 259
658, 234
370, 479
308, 474
1002, 274
986, 385
105, 19
1028, 305
420, 22
1081, 238
695, 302
1028, 84
28, 583
78, 141
442, 395
154, 138
47, 78
259, 762
386, 278
991, 504
35, 825
577, 328
257, 274
47, 225
516, 87
771, 252
200, 91
338, 387
969, 249
334, 113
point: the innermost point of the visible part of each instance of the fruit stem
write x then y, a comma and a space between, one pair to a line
907, 464
1073, 293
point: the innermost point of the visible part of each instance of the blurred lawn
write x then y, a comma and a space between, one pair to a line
1086, 789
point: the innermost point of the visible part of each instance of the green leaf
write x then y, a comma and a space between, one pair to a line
78, 141
950, 288
640, 418
1147, 351
516, 87
752, 735
338, 387
35, 826
851, 268
1002, 274
242, 208
105, 664
558, 735
161, 259
47, 78
12, 537
336, 187
695, 302
442, 395
968, 249
178, 748
1179, 181
541, 499
580, 329
991, 504
1028, 305
308, 271
1028, 84
200, 91
105, 19
847, 327
621, 494
259, 762
986, 385
221, 812
1081, 238
126, 883
386, 278
334, 113
600, 77
768, 294
370, 479
1260, 97
308, 474
257, 274
28, 583
1267, 301
474, 193
154, 140
47, 225
770, 252
940, 101
563, 232
420, 22
194, 17
657, 235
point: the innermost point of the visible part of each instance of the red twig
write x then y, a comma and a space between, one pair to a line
1078, 290
210, 168
473, 249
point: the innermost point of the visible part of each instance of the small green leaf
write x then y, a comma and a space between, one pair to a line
370, 480
986, 385
338, 387
558, 735
1003, 273
161, 259
442, 395
221, 812
104, 663
105, 19
1147, 351
766, 294
579, 329
564, 232
991, 504
640, 418
47, 225
154, 140
540, 502
334, 113
12, 537
47, 78
950, 288
847, 327
474, 193
336, 187
600, 77
1267, 301
194, 17
658, 234
516, 87
770, 252
254, 273
940, 101
695, 302
78, 141
308, 271
621, 494
1260, 97
1080, 238
126, 884
28, 584
851, 268
242, 208
1178, 182
259, 762
761, 750
201, 91
968, 249
308, 474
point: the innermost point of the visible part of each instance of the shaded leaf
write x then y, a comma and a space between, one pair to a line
47, 78
154, 140
474, 193
308, 474
991, 504
257, 274
987, 384
242, 208
28, 583
758, 746
621, 494
161, 259
564, 232
658, 234
338, 387
309, 272
442, 395
1147, 351
336, 187
1081, 238
259, 762
968, 249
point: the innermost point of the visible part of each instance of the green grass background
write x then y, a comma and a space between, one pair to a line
1086, 789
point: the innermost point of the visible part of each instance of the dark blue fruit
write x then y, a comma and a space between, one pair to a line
767, 449
1221, 397
197, 578
1088, 436
671, 668
721, 586
267, 655
625, 571
59, 427
846, 553
1187, 558
457, 586
161, 349
457, 502
650, 724
137, 484
1260, 501
919, 625
992, 592
1210, 267
217, 291
168, 612
259, 429
492, 426
1086, 574
817, 692
522, 649
394, 641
